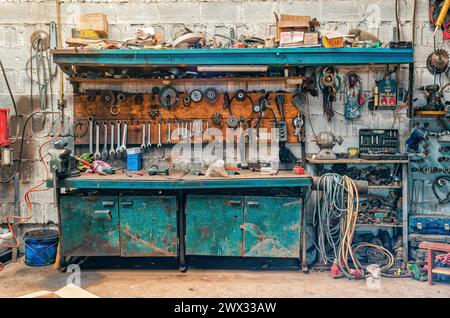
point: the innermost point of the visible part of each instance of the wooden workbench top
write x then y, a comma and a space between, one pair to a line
177, 180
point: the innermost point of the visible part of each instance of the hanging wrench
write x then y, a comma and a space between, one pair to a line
118, 139
112, 152
149, 134
143, 145
178, 129
169, 139
123, 148
91, 134
159, 134
97, 141
105, 141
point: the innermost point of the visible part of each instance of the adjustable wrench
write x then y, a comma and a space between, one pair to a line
143, 145
123, 147
169, 140
118, 151
149, 134
112, 152
105, 141
91, 134
159, 145
97, 141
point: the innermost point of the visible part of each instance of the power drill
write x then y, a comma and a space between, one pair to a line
433, 98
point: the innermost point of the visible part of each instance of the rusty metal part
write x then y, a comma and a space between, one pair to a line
211, 95
217, 119
114, 110
107, 97
437, 62
196, 95
168, 97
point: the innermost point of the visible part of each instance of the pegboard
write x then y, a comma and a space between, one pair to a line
136, 114
423, 173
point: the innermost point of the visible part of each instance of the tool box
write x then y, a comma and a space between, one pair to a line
379, 142
428, 224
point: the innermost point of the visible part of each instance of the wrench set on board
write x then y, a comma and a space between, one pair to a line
166, 116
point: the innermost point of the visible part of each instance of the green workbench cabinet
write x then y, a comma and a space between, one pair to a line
112, 225
213, 225
272, 227
249, 226
148, 225
89, 225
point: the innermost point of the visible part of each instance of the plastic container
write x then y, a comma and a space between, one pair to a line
41, 247
134, 159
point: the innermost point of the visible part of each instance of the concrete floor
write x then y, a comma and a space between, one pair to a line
18, 279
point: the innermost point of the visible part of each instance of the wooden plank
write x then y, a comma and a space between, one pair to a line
289, 80
435, 246
135, 115
441, 270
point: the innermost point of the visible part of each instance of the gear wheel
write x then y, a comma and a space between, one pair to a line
437, 62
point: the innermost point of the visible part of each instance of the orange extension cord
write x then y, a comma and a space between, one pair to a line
19, 219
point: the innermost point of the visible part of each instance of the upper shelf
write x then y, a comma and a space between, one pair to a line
271, 57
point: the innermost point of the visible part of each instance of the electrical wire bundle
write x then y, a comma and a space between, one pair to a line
335, 216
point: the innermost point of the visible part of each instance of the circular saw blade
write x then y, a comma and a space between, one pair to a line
437, 62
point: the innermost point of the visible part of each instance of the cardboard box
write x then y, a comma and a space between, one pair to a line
94, 21
311, 38
288, 23
292, 38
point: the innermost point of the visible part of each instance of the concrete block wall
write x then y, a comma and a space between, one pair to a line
19, 18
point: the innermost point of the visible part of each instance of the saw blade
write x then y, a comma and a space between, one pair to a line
437, 62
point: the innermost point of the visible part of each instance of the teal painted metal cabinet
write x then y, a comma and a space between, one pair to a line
89, 225
250, 226
148, 226
119, 225
272, 227
213, 225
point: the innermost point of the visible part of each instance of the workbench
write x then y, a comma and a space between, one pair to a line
247, 215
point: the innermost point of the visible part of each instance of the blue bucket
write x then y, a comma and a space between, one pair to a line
41, 247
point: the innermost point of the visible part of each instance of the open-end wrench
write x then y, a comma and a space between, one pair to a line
159, 145
178, 129
91, 134
123, 147
97, 154
118, 138
149, 134
112, 152
105, 141
143, 145
169, 139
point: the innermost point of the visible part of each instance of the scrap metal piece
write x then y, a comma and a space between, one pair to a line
168, 97
211, 95
107, 97
196, 95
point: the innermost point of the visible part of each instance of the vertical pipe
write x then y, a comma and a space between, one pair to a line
405, 207
61, 74
303, 229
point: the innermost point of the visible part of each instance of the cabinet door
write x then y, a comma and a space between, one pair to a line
213, 225
272, 227
89, 225
148, 226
